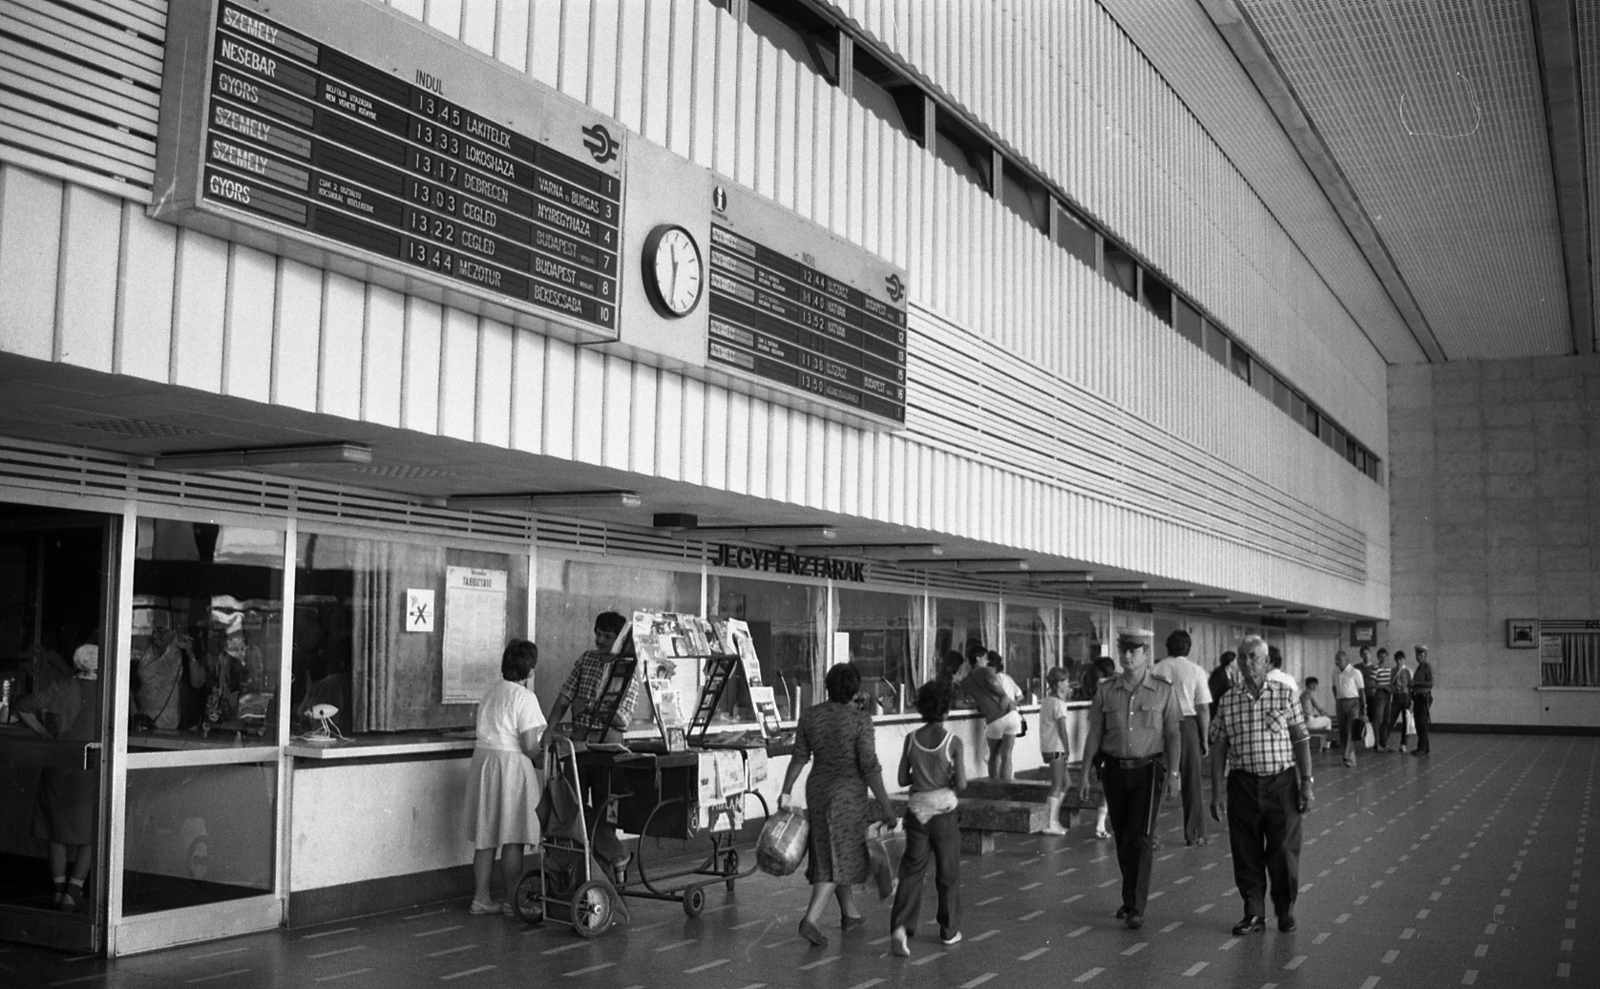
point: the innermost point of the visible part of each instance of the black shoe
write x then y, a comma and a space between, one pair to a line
1134, 920
1122, 912
1251, 924
851, 923
1286, 923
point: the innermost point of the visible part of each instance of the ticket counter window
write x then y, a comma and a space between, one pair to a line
399, 636
788, 623
886, 633
571, 593
1032, 644
207, 634
962, 625
54, 586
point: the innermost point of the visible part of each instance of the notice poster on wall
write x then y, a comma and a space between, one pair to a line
474, 632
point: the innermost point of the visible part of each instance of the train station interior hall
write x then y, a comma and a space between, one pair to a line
760, 362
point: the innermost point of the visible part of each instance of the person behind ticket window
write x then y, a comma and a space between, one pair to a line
68, 800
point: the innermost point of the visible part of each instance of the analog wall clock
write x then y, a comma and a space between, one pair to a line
674, 273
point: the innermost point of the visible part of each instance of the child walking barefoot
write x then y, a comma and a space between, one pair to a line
932, 765
1053, 735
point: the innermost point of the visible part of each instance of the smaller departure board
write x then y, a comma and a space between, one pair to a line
300, 131
795, 306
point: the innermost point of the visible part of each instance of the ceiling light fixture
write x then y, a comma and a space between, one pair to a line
534, 501
316, 454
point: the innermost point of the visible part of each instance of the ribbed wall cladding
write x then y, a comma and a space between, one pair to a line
1048, 413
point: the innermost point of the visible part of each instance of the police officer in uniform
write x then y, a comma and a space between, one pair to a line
1134, 741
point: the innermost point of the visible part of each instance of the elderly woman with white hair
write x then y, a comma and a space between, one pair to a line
67, 710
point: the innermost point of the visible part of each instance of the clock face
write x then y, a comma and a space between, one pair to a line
673, 272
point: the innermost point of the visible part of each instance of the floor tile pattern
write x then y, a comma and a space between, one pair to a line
1460, 868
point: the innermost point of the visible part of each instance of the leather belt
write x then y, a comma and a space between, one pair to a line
1266, 776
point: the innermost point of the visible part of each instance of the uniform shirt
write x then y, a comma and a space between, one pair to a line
1257, 728
1134, 720
587, 680
1422, 679
1188, 682
1348, 684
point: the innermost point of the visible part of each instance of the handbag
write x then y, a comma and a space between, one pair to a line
782, 843
885, 849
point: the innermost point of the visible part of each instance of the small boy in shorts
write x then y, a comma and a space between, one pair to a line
1053, 735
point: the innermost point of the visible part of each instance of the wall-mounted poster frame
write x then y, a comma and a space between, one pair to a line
1522, 633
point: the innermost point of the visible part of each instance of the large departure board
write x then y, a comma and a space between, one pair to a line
815, 315
301, 133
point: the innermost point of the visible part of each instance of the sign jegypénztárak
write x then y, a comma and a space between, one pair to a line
777, 561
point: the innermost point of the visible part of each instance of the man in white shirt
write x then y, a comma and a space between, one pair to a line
1194, 705
1275, 660
1347, 697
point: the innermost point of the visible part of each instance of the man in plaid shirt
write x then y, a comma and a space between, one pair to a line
1260, 735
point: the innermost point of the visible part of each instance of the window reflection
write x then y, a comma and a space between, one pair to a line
886, 635
207, 631
787, 624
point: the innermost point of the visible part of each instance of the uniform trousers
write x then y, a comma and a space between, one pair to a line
1133, 797
1421, 712
1194, 797
1264, 835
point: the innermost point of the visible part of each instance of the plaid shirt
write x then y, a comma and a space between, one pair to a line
584, 684
1257, 729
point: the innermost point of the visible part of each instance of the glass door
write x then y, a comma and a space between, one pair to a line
202, 802
56, 596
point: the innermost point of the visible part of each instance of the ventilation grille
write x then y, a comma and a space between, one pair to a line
57, 471
82, 80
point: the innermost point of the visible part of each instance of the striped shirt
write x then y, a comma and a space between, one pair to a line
1257, 728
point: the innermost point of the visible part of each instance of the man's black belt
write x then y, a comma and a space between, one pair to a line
1130, 764
1266, 776
1191, 717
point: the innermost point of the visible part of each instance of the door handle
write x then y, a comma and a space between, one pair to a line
91, 756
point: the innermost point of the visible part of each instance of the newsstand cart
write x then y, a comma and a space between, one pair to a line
569, 886
660, 795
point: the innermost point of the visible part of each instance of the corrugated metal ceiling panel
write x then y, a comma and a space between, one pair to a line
1433, 110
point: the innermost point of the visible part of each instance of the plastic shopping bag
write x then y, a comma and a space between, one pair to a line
1369, 738
783, 842
885, 849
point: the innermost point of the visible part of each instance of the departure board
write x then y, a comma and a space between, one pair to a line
306, 135
821, 317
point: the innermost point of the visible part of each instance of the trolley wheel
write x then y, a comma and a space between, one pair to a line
592, 910
694, 900
730, 866
528, 900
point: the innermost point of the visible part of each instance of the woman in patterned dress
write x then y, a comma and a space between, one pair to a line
841, 739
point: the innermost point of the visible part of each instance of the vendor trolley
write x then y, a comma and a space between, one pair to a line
683, 795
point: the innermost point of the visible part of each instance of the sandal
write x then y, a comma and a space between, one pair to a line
1101, 833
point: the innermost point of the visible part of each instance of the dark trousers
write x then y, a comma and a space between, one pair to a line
1421, 710
1349, 710
1133, 797
1264, 834
939, 840
1398, 707
1194, 795
1381, 718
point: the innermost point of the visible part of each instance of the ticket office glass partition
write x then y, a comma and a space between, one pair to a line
56, 599
201, 809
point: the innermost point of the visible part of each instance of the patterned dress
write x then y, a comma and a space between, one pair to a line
839, 740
